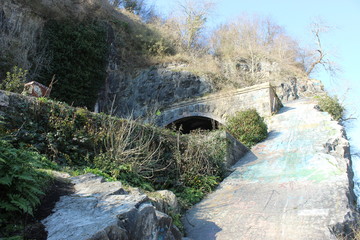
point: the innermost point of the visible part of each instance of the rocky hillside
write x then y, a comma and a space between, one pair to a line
138, 70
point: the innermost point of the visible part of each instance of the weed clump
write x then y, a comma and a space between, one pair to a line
248, 127
331, 105
14, 81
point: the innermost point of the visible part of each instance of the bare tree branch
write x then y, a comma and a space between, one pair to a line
319, 57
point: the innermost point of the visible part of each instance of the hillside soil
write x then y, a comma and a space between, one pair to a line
288, 187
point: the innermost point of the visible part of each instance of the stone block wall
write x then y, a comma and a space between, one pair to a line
219, 106
235, 150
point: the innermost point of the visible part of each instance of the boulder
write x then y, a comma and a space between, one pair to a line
165, 201
104, 210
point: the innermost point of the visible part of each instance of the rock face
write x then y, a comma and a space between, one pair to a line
54, 9
295, 88
104, 210
165, 201
4, 99
149, 91
20, 29
21, 26
297, 184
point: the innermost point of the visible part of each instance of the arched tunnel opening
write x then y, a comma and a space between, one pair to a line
188, 124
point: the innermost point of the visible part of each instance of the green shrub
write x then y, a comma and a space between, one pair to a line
79, 53
21, 183
195, 189
14, 81
247, 126
332, 106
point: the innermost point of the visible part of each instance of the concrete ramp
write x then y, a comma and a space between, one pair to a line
294, 185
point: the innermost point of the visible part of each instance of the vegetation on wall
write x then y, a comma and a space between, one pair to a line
79, 54
143, 156
331, 105
78, 141
247, 126
14, 81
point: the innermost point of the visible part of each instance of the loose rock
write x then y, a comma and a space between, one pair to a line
104, 210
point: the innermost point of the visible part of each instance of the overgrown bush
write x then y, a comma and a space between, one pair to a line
200, 165
65, 134
247, 126
141, 156
130, 152
146, 157
21, 184
79, 54
14, 81
331, 105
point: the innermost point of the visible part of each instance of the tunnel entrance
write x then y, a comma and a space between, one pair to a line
188, 124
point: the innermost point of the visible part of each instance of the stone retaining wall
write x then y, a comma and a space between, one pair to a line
219, 106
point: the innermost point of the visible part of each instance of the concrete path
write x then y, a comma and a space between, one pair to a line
287, 187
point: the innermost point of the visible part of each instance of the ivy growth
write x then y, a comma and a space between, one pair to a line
79, 52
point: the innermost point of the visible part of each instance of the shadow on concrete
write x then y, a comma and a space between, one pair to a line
250, 156
284, 109
272, 135
247, 159
199, 229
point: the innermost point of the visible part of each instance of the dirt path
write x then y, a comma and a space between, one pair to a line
287, 187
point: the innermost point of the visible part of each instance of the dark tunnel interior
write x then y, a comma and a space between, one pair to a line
188, 124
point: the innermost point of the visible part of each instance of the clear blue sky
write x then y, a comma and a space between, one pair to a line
295, 17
